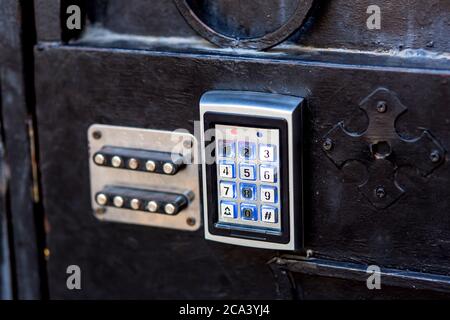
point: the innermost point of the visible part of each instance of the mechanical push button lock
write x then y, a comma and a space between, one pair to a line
252, 180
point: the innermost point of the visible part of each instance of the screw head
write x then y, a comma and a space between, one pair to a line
327, 144
97, 135
190, 221
101, 199
435, 156
188, 144
169, 208
382, 106
135, 204
118, 201
152, 206
133, 164
116, 161
168, 168
99, 159
150, 165
380, 192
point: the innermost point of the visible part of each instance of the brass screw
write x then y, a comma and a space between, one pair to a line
133, 164
97, 135
169, 208
152, 206
135, 204
382, 106
327, 144
99, 159
118, 201
150, 165
116, 161
102, 199
168, 168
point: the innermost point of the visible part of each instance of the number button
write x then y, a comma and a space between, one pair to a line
268, 194
227, 149
248, 191
228, 190
249, 212
228, 209
269, 214
226, 170
266, 152
267, 174
247, 172
246, 150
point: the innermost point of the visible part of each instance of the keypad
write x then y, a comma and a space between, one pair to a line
247, 176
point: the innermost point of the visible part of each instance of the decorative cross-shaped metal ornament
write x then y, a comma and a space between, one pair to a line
382, 149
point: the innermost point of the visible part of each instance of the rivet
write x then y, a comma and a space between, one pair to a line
327, 144
118, 201
102, 199
190, 221
382, 106
99, 159
435, 156
168, 168
150, 165
116, 161
187, 144
380, 192
169, 208
135, 204
152, 206
97, 135
133, 164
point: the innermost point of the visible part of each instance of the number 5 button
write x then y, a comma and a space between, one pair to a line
268, 194
266, 152
247, 172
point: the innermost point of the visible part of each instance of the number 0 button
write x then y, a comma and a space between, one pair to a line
268, 194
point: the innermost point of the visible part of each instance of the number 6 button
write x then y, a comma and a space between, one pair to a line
267, 174
268, 194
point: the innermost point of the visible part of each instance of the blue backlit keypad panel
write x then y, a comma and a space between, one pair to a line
247, 161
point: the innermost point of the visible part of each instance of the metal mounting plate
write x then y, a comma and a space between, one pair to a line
186, 180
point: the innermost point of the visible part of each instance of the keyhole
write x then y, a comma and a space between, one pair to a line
381, 150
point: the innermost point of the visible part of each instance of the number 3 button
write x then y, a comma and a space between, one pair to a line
266, 152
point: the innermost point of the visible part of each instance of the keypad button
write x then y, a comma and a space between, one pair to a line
227, 149
248, 191
228, 190
269, 194
267, 152
227, 169
247, 172
246, 150
249, 212
269, 214
267, 174
228, 209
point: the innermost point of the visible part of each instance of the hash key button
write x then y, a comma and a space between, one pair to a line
269, 214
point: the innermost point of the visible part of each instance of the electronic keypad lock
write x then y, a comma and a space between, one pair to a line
252, 168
